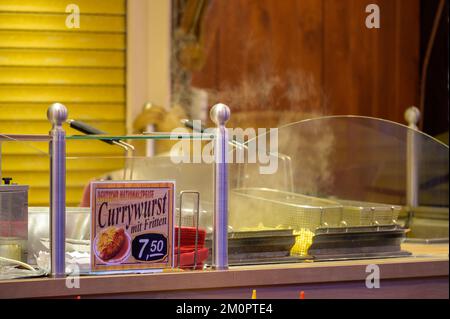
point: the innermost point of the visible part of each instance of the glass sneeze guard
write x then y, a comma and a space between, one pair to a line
115, 163
335, 175
346, 176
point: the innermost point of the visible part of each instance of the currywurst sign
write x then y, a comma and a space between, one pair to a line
132, 225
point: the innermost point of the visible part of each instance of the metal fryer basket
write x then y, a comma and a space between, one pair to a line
260, 208
366, 214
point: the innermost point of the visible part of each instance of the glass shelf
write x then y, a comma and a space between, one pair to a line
152, 136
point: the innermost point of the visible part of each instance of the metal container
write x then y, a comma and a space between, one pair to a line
12, 248
256, 247
78, 221
358, 242
13, 221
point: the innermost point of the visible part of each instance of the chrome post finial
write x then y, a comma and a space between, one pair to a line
412, 117
57, 114
220, 114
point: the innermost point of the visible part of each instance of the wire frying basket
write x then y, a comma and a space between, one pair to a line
262, 208
356, 213
259, 209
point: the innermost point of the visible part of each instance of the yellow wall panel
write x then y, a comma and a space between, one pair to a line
40, 196
50, 94
86, 6
72, 76
65, 58
57, 22
17, 163
65, 40
74, 148
43, 127
42, 62
37, 149
93, 149
82, 112
41, 179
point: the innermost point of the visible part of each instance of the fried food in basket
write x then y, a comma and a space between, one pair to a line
110, 242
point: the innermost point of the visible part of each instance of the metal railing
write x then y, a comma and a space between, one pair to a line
57, 115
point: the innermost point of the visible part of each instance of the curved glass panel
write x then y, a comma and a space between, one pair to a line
358, 158
344, 172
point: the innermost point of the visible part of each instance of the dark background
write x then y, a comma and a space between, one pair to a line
436, 117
